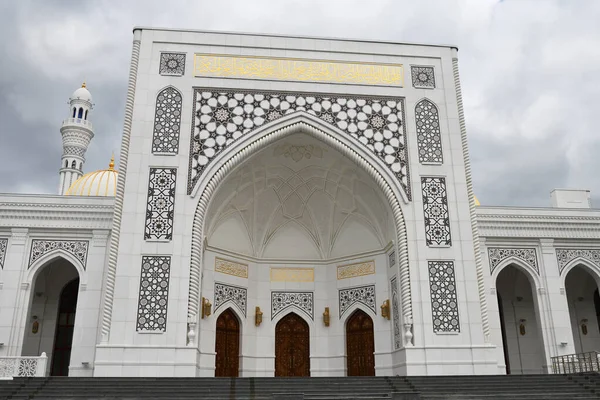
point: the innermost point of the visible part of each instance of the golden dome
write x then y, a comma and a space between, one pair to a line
98, 183
477, 203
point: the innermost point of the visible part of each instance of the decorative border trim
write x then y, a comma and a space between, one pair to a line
396, 315
306, 125
3, 251
228, 293
359, 294
498, 254
77, 248
565, 256
281, 301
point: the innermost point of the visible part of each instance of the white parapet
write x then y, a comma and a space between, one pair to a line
11, 367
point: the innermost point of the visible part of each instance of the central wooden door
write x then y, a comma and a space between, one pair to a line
360, 345
227, 346
292, 350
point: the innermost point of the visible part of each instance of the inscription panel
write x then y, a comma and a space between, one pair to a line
303, 70
231, 268
354, 270
292, 275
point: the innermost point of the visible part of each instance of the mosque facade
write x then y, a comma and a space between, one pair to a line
289, 206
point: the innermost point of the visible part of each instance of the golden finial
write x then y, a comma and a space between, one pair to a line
111, 164
83, 85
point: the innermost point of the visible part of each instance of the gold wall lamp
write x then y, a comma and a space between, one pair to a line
385, 309
257, 316
326, 316
206, 307
584, 328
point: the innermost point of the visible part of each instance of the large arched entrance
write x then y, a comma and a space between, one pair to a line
584, 309
519, 317
227, 345
50, 324
292, 347
360, 345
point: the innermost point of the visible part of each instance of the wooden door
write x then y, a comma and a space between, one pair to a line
227, 346
360, 345
65, 326
292, 350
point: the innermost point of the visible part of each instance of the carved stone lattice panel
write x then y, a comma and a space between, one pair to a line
3, 248
231, 268
360, 294
392, 258
498, 254
444, 302
422, 77
167, 119
354, 270
225, 293
565, 256
154, 294
429, 138
435, 211
303, 301
172, 64
77, 248
223, 117
73, 151
161, 204
396, 315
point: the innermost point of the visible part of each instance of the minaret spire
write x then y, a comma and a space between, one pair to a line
77, 132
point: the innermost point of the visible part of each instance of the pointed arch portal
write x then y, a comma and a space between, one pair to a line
227, 345
360, 345
292, 346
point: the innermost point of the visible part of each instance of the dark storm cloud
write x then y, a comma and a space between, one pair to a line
528, 70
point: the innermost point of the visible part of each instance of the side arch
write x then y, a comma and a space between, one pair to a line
246, 146
531, 273
46, 259
589, 266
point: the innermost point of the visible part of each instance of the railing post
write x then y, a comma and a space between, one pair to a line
41, 365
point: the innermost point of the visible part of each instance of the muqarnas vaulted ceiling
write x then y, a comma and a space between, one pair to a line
221, 117
299, 198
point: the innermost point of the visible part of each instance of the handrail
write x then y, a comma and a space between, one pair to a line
77, 121
575, 363
12, 366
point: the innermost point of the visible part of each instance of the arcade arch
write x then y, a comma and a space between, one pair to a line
581, 288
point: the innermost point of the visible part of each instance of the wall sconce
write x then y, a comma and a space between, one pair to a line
35, 326
257, 316
385, 309
206, 307
326, 316
522, 326
584, 328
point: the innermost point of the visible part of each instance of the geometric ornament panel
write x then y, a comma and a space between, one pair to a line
225, 293
435, 211
498, 254
429, 139
565, 256
77, 248
361, 294
302, 301
154, 294
165, 139
172, 64
396, 314
444, 303
422, 77
161, 204
222, 117
3, 249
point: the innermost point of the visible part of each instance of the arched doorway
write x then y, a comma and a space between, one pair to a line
581, 290
50, 323
360, 345
521, 332
292, 347
65, 326
227, 345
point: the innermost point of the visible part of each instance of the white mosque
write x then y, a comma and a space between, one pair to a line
289, 206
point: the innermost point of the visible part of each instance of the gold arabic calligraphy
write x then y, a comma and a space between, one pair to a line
297, 70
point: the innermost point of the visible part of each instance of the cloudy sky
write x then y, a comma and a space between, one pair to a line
529, 71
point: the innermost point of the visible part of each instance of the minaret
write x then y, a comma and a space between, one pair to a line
77, 132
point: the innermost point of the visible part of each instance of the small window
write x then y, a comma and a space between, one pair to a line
74, 165
85, 115
66, 163
80, 115
74, 111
